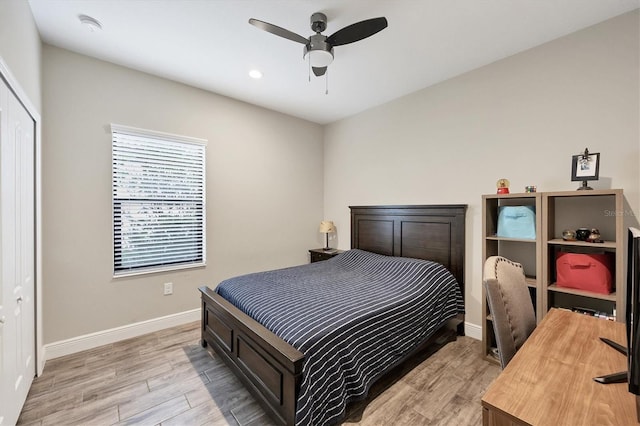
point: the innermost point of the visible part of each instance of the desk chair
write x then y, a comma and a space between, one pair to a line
510, 305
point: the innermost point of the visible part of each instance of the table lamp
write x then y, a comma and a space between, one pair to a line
327, 227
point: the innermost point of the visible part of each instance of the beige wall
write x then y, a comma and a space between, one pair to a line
264, 190
521, 118
20, 47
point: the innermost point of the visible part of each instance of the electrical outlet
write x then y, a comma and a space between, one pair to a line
168, 289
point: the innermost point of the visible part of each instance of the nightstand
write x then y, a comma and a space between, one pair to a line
318, 255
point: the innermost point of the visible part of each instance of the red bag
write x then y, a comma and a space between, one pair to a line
590, 272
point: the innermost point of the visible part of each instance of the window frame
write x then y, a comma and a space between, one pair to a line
165, 137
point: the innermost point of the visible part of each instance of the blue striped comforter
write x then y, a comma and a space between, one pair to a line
353, 316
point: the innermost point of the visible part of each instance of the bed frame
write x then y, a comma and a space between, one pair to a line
268, 366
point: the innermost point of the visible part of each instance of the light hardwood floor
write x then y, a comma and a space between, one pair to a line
166, 378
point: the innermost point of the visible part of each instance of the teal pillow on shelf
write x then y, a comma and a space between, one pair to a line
517, 222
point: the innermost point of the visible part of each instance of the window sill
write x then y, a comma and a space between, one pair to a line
157, 270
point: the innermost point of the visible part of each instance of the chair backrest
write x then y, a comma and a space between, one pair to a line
510, 305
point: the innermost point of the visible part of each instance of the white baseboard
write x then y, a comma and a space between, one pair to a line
93, 340
472, 330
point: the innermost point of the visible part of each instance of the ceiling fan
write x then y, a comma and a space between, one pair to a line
318, 48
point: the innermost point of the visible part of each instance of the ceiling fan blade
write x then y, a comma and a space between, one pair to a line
318, 71
274, 29
357, 31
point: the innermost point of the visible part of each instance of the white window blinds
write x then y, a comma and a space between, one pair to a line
158, 200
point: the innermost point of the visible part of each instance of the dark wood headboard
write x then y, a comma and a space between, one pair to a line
431, 232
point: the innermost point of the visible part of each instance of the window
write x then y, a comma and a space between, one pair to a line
158, 201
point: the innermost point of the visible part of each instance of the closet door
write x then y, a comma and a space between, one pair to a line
17, 266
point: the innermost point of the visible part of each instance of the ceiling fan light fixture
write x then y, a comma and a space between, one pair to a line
255, 74
319, 58
318, 51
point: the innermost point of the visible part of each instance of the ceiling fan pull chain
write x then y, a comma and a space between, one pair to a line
326, 82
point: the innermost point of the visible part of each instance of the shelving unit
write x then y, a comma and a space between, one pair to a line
524, 251
555, 212
589, 209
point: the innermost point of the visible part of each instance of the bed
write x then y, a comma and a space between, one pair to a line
271, 368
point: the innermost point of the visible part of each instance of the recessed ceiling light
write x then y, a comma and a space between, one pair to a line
255, 74
90, 23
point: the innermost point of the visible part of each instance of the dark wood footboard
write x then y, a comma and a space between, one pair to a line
268, 366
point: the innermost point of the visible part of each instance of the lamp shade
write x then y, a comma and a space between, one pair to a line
327, 226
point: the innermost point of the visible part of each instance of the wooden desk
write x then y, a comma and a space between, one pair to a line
550, 379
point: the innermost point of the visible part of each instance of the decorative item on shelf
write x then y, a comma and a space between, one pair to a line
327, 227
530, 188
585, 271
585, 167
594, 236
517, 222
594, 313
569, 235
582, 234
503, 186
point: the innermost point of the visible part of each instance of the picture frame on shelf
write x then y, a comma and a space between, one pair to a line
585, 167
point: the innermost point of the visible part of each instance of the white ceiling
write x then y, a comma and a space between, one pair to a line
209, 43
